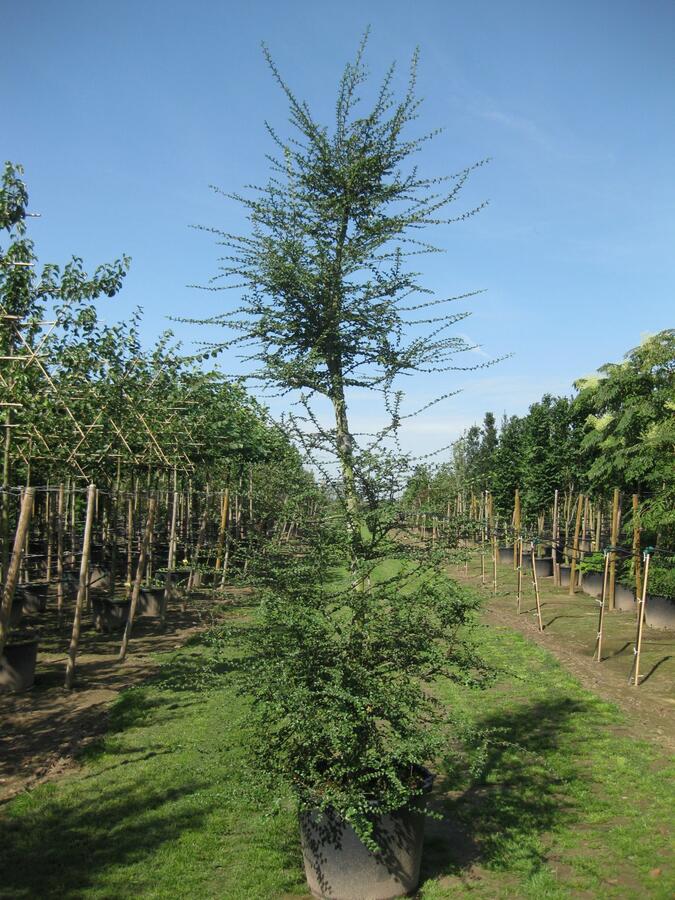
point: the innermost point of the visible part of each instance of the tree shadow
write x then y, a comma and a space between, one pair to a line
653, 669
58, 849
500, 816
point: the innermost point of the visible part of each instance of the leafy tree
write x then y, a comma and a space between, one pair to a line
327, 299
26, 291
338, 657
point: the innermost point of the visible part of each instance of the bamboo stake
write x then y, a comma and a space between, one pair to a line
520, 571
601, 615
536, 589
636, 545
81, 589
516, 527
14, 565
140, 569
637, 650
554, 541
60, 504
613, 540
575, 546
224, 509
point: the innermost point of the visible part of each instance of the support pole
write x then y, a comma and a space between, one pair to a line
140, 569
536, 588
634, 676
14, 564
81, 589
601, 615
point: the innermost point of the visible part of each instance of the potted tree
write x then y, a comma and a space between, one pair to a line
338, 671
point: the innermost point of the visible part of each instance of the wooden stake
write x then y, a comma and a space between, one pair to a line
140, 569
575, 546
613, 540
536, 589
81, 589
60, 509
636, 545
637, 650
520, 571
14, 565
601, 615
554, 548
516, 527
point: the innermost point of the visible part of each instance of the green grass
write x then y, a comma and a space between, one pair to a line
564, 806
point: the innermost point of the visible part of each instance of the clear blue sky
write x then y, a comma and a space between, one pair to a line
123, 113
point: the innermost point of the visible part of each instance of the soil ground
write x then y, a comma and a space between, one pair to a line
46, 728
570, 629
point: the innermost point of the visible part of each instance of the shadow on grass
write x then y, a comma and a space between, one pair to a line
57, 849
497, 822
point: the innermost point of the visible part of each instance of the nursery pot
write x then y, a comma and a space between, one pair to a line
591, 584
660, 611
34, 596
16, 611
339, 866
505, 555
109, 615
150, 601
565, 575
543, 566
624, 598
99, 579
17, 666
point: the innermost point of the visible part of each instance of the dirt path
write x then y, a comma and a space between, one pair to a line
570, 628
45, 728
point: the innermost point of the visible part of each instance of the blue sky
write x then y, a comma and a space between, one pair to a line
123, 113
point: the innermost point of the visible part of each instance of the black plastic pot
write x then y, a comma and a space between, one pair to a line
34, 596
150, 601
109, 615
16, 612
565, 575
505, 555
624, 598
591, 584
660, 611
99, 579
543, 566
17, 666
339, 866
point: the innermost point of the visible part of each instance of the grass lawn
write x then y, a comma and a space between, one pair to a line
565, 805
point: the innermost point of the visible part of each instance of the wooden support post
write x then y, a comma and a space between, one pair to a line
601, 615
575, 546
636, 546
516, 527
535, 583
14, 565
140, 569
60, 512
520, 571
130, 545
81, 589
554, 541
224, 512
616, 510
642, 602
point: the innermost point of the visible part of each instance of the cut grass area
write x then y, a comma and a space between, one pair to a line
563, 806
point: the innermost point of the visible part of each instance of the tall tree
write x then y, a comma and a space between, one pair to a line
328, 295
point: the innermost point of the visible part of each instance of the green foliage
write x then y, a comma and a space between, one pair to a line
338, 671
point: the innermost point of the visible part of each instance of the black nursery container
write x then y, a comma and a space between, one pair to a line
660, 611
17, 666
339, 866
34, 596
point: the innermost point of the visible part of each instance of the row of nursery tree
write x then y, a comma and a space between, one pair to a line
617, 431
84, 401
